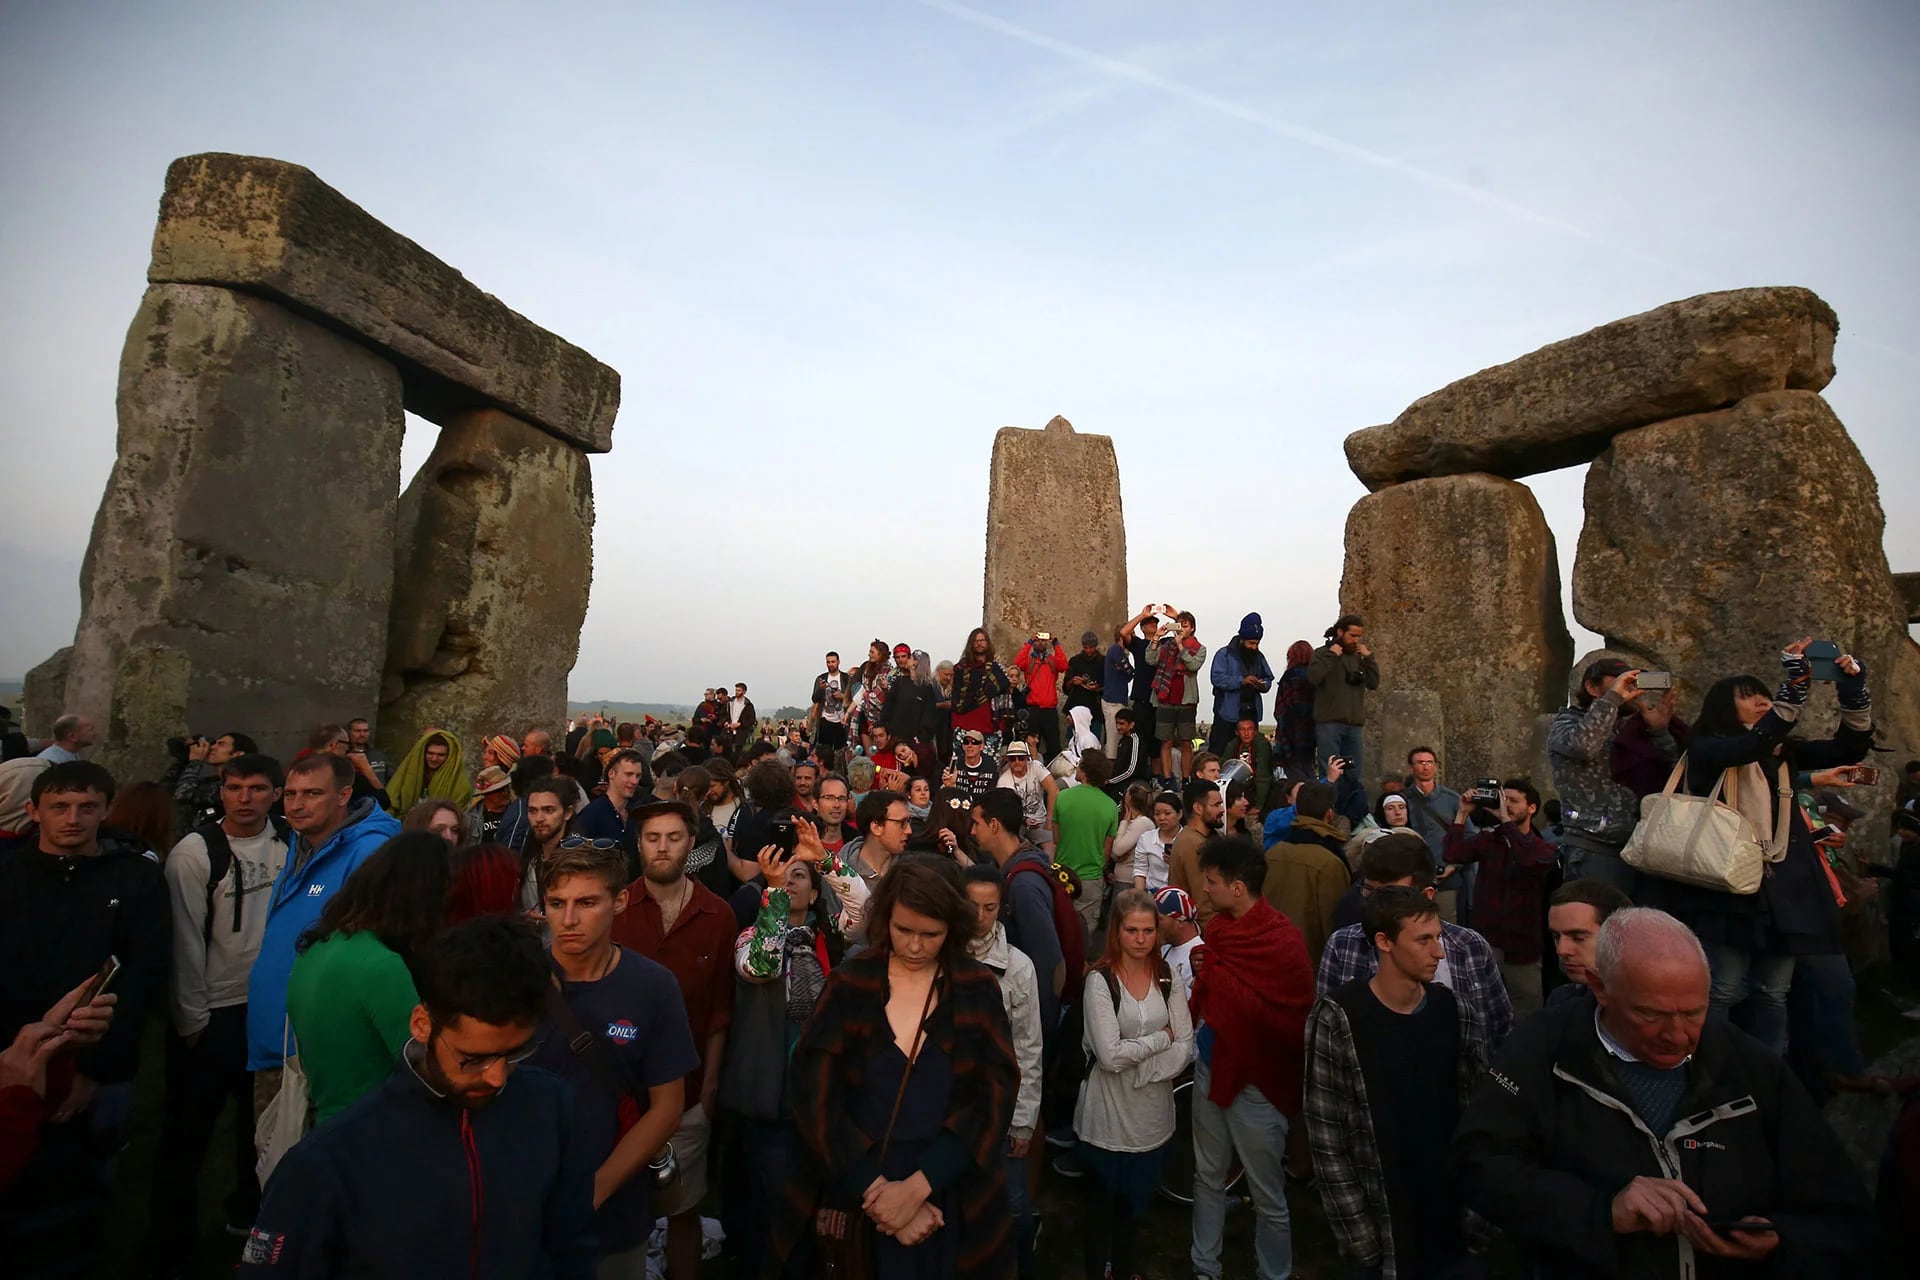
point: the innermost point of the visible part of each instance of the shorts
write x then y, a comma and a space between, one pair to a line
687, 1190
830, 736
1174, 724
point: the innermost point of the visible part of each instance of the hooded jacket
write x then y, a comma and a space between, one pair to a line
310, 878
61, 917
1551, 1137
1020, 988
1340, 682
1231, 700
405, 1183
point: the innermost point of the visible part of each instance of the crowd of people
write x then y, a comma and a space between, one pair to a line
848, 984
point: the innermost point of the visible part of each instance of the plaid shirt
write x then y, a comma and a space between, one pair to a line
1346, 1158
1472, 973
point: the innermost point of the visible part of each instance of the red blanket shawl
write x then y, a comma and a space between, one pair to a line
1255, 989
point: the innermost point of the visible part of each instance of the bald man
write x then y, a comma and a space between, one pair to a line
1623, 1137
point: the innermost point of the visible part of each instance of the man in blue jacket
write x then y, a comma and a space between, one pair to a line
1240, 676
333, 835
459, 1164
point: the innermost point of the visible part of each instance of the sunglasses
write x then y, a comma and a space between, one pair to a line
583, 842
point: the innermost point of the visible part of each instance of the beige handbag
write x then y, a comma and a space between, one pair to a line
1700, 841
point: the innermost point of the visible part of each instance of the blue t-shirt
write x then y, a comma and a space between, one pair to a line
1118, 680
638, 1015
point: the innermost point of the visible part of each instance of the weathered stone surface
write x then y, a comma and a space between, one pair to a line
491, 571
1056, 537
247, 523
1559, 406
268, 226
1908, 585
44, 695
1712, 540
1406, 717
1459, 584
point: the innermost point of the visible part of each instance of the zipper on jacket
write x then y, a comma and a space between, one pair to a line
478, 1198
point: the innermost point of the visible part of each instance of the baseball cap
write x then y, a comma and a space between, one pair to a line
1173, 901
640, 813
973, 735
1019, 749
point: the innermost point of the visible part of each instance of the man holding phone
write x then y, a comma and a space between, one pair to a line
69, 902
1634, 1135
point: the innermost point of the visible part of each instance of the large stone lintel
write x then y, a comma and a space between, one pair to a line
248, 222
1559, 406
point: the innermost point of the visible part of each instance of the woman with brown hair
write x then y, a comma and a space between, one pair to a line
144, 810
1139, 1038
947, 832
439, 816
903, 1086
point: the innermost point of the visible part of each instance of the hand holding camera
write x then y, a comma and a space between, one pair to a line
197, 749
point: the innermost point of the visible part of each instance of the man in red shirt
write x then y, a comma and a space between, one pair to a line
679, 923
1509, 893
1043, 662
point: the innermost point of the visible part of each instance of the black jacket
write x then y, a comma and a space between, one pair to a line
1794, 913
908, 714
403, 1183
60, 918
1549, 1139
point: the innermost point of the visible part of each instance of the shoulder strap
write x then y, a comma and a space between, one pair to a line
589, 1048
219, 862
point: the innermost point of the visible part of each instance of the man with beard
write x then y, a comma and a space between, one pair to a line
828, 719
685, 926
1203, 811
550, 802
830, 813
394, 1184
619, 1033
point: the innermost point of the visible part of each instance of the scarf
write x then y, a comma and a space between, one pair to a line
1170, 673
1254, 993
1754, 797
410, 784
975, 684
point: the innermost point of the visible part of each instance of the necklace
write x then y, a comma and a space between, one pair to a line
670, 914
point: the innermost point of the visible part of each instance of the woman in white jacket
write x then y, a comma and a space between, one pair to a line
1020, 987
1139, 1038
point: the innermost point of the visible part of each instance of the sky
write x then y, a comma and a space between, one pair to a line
832, 248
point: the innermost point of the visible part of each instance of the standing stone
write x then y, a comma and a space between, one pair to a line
1056, 538
1712, 540
44, 695
1459, 585
491, 571
1403, 717
247, 524
1559, 406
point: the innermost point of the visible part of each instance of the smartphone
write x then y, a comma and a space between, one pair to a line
97, 985
1724, 1225
1823, 659
1659, 680
1866, 775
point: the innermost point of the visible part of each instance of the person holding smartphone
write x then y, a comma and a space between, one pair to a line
1638, 1136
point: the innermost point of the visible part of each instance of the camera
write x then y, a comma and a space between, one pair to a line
1657, 681
783, 834
1823, 660
1484, 796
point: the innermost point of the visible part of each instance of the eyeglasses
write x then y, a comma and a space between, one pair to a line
480, 1062
905, 822
582, 842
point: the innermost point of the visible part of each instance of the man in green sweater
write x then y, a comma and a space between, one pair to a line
1088, 822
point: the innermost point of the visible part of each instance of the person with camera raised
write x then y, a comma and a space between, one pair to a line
1600, 812
1753, 939
1341, 671
1509, 897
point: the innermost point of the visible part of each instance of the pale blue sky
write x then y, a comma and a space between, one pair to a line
832, 247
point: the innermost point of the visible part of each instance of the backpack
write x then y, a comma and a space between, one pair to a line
1165, 979
220, 861
1066, 923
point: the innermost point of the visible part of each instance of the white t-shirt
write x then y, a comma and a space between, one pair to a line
833, 698
1179, 957
213, 975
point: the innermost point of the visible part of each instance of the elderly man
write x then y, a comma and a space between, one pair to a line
1634, 1137
72, 734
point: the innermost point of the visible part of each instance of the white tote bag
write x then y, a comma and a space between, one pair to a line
284, 1122
1700, 841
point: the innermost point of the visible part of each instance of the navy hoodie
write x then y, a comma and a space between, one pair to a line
403, 1185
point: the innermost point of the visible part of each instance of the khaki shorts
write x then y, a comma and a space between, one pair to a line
1175, 724
690, 1153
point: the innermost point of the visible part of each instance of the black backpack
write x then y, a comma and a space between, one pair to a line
220, 861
